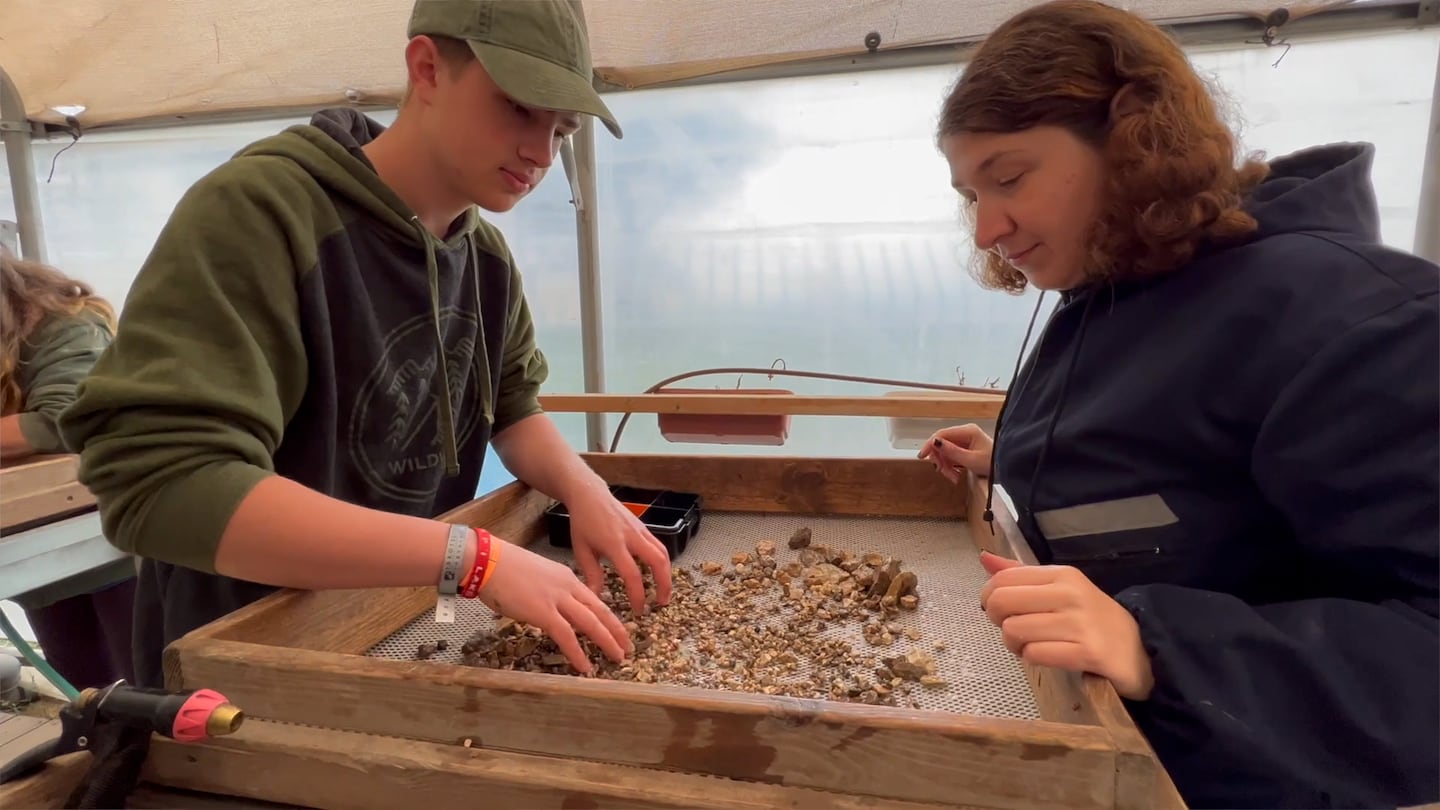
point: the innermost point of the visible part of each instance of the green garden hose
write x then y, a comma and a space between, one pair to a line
39, 663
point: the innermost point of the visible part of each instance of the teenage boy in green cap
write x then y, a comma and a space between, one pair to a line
326, 336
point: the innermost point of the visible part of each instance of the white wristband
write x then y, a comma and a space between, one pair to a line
450, 574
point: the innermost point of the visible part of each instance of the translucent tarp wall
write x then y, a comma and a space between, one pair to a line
127, 60
807, 219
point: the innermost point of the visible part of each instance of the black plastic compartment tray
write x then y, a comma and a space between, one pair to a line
673, 517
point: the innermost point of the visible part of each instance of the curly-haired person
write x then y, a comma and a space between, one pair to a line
52, 330
1224, 449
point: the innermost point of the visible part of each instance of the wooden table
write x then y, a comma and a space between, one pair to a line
40, 489
49, 526
52, 786
334, 727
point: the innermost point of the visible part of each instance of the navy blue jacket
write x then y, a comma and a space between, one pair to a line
1246, 454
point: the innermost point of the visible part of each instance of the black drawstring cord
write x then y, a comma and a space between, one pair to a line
1055, 414
989, 514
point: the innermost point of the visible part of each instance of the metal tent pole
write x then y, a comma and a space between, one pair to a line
1427, 225
15, 133
579, 163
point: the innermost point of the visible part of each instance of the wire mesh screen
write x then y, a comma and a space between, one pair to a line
970, 670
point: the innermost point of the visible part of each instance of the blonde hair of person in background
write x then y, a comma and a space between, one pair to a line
53, 329
30, 292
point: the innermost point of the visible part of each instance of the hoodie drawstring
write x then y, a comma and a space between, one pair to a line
448, 451
481, 352
989, 514
1043, 554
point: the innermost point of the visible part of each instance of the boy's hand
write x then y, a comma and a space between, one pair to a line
541, 592
601, 528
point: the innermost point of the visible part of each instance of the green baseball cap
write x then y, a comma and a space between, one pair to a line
537, 51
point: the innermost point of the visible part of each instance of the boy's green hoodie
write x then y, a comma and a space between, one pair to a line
295, 318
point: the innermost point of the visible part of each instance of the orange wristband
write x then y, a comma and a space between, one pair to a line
483, 565
494, 561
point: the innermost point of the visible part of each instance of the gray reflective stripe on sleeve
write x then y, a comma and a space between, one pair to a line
1106, 517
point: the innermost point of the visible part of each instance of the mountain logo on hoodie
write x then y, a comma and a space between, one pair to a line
393, 437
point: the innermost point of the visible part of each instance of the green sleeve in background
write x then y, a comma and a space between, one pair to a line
53, 362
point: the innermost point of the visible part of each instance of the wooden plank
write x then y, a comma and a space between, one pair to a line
34, 473
1141, 783
155, 797
24, 733
515, 512
53, 784
988, 536
353, 621
1002, 536
17, 725
50, 504
336, 769
1059, 695
49, 787
341, 621
39, 488
896, 487
952, 406
849, 748
870, 752
1081, 698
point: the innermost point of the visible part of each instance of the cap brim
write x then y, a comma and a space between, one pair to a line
537, 82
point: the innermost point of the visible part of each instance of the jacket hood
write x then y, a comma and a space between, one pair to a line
1325, 188
1320, 189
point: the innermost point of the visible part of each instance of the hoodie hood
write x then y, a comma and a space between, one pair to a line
330, 149
1325, 188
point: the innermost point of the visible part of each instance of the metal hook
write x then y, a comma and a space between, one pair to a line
780, 361
993, 382
959, 376
1276, 63
1271, 36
